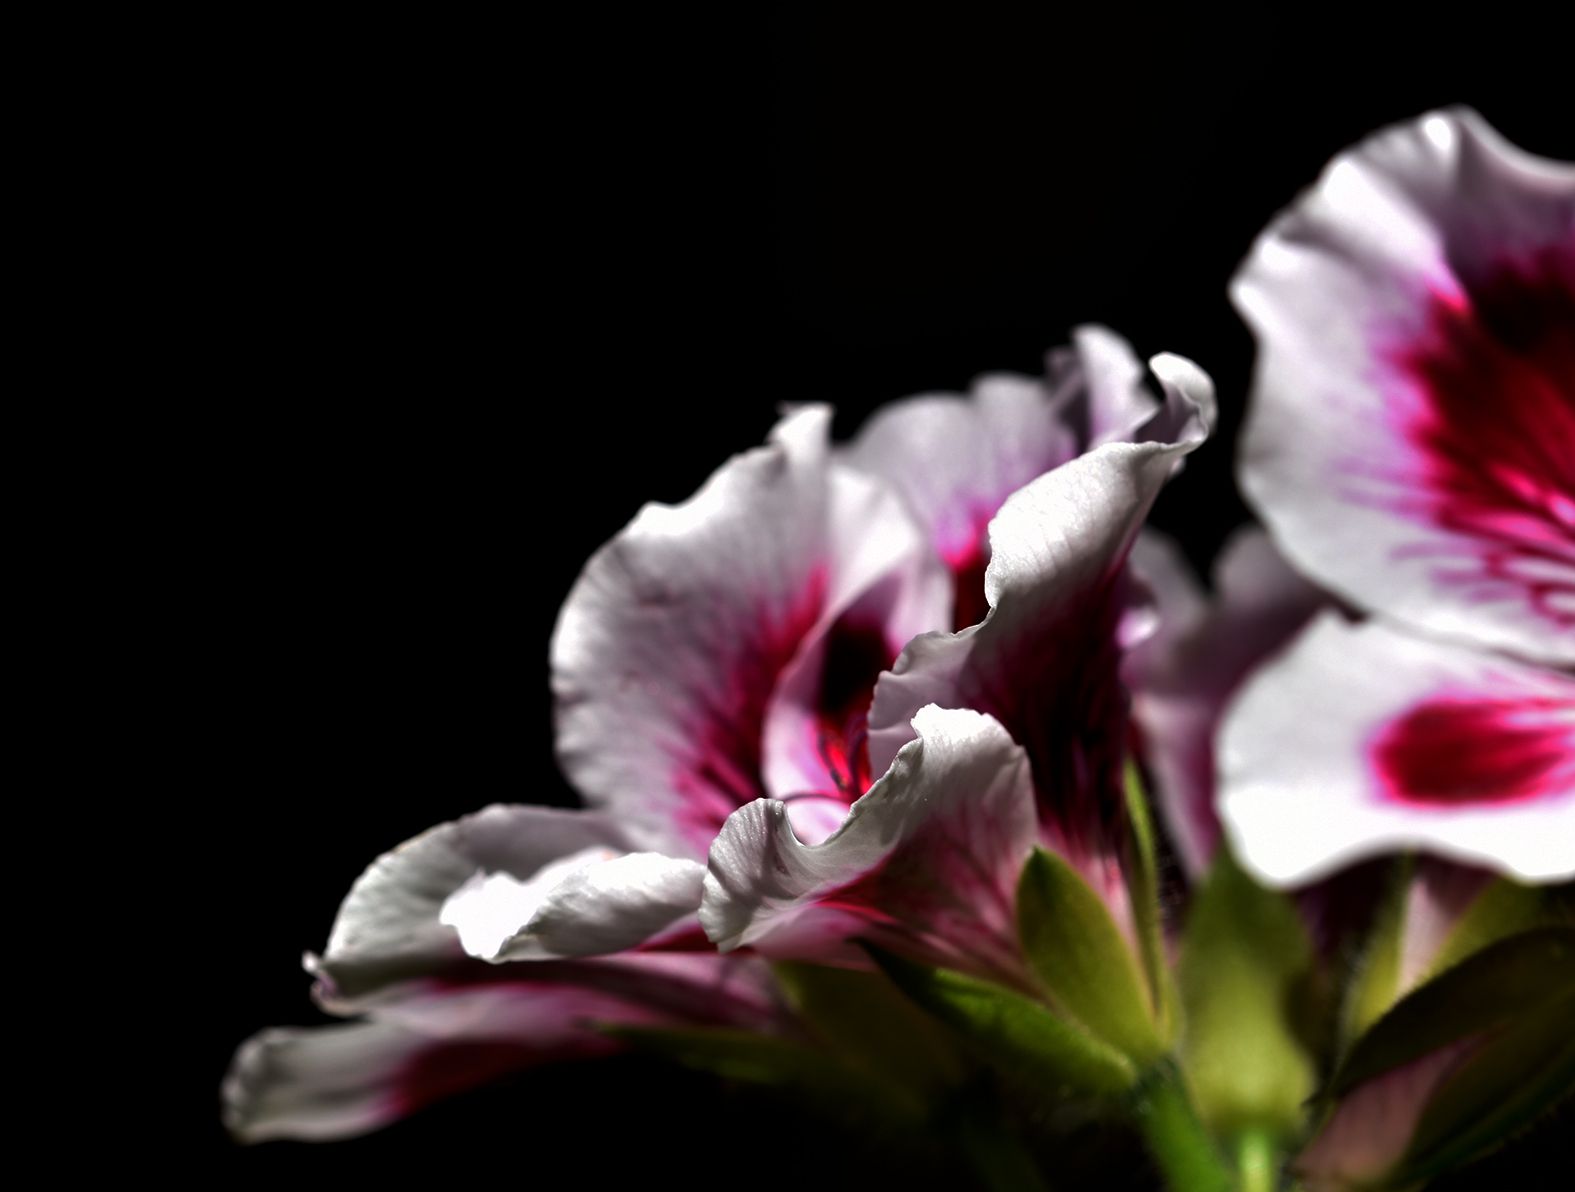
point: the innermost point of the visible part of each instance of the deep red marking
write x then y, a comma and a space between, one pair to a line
446, 1069
722, 770
1496, 429
969, 606
1454, 752
856, 652
1061, 698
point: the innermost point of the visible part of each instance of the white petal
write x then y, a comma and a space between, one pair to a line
955, 460
599, 906
927, 862
1363, 740
677, 635
1411, 438
901, 590
388, 929
1044, 661
1182, 677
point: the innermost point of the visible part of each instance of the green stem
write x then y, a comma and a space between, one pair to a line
1181, 1148
1256, 1162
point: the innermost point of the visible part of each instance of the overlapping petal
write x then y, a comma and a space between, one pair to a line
1045, 661
498, 941
955, 460
1411, 442
718, 650
926, 863
1360, 740
1202, 649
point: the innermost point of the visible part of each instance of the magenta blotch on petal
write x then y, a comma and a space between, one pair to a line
1411, 439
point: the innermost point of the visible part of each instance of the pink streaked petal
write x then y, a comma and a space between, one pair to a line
1423, 292
1337, 751
1371, 1128
1044, 662
926, 863
321, 1083
1182, 677
430, 1039
679, 632
890, 586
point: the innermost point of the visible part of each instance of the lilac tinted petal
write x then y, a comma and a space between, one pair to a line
1439, 895
1118, 401
926, 863
1371, 1128
955, 460
1411, 441
1044, 662
388, 929
1182, 676
677, 634
1361, 740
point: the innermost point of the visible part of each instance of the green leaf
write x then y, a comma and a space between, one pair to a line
1080, 955
1143, 887
1487, 990
1244, 958
1514, 1077
867, 1020
1012, 1033
1375, 984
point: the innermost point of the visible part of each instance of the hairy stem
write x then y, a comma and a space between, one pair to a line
1181, 1148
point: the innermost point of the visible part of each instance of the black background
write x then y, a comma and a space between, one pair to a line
461, 299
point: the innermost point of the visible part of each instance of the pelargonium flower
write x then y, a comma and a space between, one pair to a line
1411, 447
713, 652
726, 649
610, 938
1005, 735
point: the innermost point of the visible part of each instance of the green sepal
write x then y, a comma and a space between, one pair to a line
1079, 954
1518, 1074
1012, 1033
1487, 990
1143, 887
1245, 959
865, 1019
1375, 983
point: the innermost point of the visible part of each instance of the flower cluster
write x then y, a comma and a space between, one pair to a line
868, 728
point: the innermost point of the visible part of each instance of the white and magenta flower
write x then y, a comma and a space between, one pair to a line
1411, 447
715, 653
1005, 735
600, 936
